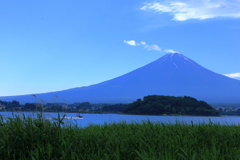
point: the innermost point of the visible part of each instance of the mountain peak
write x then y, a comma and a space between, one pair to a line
173, 74
177, 60
175, 54
171, 55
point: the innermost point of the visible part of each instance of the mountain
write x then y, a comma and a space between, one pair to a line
172, 74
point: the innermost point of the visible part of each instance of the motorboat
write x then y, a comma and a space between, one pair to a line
78, 116
73, 117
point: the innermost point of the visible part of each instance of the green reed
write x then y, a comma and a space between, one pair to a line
23, 137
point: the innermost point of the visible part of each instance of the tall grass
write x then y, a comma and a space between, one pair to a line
24, 137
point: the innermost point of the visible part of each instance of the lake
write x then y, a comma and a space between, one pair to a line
111, 118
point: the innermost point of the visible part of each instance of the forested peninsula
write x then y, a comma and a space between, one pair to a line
169, 105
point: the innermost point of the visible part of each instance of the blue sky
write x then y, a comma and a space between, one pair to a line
56, 45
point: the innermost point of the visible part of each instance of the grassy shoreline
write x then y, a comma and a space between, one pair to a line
27, 138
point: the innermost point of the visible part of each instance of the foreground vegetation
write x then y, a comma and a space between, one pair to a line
38, 138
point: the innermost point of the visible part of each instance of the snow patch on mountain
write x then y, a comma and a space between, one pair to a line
189, 61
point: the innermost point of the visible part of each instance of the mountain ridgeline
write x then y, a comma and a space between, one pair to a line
170, 75
160, 105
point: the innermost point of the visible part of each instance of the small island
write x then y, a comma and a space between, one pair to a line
170, 105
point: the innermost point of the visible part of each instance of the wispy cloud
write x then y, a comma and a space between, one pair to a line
144, 44
170, 51
151, 47
233, 75
131, 42
183, 10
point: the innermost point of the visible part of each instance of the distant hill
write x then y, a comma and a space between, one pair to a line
158, 105
172, 74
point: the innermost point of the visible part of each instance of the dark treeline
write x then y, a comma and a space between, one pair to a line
50, 107
159, 105
114, 108
84, 107
150, 105
9, 105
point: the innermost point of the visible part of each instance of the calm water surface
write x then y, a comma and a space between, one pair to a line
111, 118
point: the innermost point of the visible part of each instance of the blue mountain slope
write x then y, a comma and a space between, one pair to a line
173, 74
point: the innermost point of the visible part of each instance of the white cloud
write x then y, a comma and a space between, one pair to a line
131, 42
144, 44
170, 51
232, 75
196, 9
152, 47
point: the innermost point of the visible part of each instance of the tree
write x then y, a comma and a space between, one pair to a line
156, 104
29, 106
